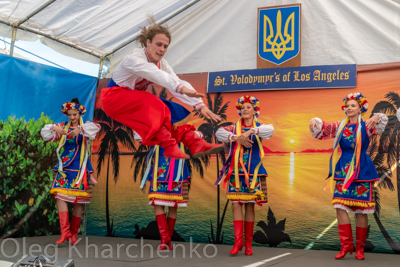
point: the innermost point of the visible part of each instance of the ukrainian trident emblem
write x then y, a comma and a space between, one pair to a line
279, 33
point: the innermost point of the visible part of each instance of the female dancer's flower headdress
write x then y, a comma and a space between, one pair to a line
362, 100
248, 99
72, 106
354, 167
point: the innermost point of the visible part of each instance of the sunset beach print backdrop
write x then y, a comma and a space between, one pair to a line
297, 166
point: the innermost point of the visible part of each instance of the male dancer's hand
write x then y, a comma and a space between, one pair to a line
207, 113
191, 93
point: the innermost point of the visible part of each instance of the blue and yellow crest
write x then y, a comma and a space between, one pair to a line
279, 33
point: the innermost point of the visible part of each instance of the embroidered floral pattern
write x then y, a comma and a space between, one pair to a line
360, 191
60, 180
161, 171
328, 130
339, 188
344, 170
243, 186
163, 187
232, 185
69, 156
349, 133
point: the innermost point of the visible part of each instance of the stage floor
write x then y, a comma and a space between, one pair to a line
95, 251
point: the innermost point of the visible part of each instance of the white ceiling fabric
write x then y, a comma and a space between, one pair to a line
223, 35
210, 35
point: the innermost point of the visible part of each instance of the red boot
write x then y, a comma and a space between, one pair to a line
163, 229
346, 240
248, 237
238, 246
361, 236
198, 147
171, 149
75, 223
171, 226
64, 227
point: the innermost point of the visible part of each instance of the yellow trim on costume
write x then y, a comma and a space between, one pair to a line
240, 197
166, 197
69, 192
156, 168
261, 194
255, 174
182, 122
351, 203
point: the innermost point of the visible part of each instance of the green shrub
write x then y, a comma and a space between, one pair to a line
26, 161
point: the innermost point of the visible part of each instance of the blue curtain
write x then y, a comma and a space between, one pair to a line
27, 89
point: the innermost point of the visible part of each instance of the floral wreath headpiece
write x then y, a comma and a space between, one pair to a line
72, 106
248, 99
362, 100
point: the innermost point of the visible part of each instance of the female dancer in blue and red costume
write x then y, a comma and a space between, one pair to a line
71, 173
168, 187
245, 173
126, 101
352, 176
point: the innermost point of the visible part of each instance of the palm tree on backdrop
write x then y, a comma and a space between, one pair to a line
272, 233
112, 133
389, 140
139, 160
386, 175
209, 128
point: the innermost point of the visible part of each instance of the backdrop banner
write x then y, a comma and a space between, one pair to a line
28, 89
299, 213
311, 77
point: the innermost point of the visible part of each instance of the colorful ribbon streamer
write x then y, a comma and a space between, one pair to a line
255, 174
60, 145
148, 160
354, 169
171, 173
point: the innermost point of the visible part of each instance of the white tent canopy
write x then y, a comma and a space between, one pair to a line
207, 35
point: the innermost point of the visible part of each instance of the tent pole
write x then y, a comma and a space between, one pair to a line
100, 68
14, 35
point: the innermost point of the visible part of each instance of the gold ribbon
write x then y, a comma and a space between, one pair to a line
255, 174
156, 168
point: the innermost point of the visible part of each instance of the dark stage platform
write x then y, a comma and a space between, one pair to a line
94, 251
